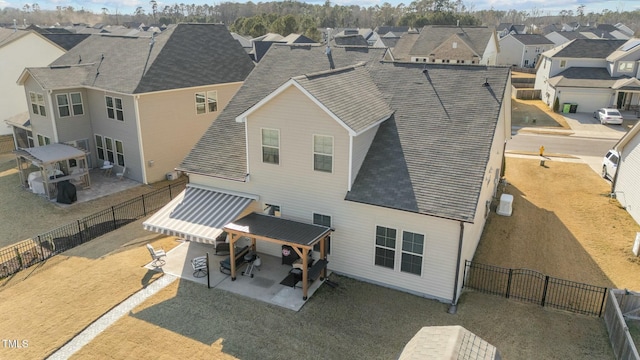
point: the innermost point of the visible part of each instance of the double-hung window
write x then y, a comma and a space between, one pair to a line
206, 102
385, 247
63, 105
37, 103
114, 108
66, 108
323, 153
43, 140
412, 252
324, 220
271, 146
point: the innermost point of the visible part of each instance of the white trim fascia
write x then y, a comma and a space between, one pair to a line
350, 180
53, 116
225, 191
377, 123
143, 162
246, 145
292, 82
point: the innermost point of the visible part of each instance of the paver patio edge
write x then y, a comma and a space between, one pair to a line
110, 317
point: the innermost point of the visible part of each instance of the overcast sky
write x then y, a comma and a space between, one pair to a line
544, 6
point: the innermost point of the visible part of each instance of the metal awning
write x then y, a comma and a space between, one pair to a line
198, 214
276, 229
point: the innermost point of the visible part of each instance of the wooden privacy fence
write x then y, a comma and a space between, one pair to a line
532, 286
41, 247
621, 304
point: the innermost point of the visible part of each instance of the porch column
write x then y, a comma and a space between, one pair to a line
232, 254
305, 276
323, 256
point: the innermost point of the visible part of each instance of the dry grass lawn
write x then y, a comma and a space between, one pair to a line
564, 224
50, 303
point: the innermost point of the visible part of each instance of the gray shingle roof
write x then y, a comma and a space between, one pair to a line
477, 37
429, 157
589, 48
183, 56
584, 77
350, 94
66, 41
350, 40
227, 159
532, 39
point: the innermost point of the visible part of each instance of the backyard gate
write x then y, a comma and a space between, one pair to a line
535, 287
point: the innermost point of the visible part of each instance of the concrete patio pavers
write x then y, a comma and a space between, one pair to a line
264, 286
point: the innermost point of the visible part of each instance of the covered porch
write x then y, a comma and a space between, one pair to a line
45, 169
265, 286
627, 95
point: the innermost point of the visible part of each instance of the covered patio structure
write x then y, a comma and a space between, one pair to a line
301, 237
55, 163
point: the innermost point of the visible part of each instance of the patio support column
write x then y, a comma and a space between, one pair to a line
232, 254
305, 276
323, 256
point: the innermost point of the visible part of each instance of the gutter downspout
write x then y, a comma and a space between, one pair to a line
454, 303
54, 123
143, 162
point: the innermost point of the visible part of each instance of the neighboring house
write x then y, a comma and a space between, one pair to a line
401, 160
20, 48
504, 29
451, 45
261, 44
625, 182
522, 50
563, 37
592, 73
139, 103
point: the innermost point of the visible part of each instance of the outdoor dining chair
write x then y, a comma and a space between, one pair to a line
157, 255
199, 265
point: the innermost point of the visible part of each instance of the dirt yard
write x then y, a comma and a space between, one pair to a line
24, 214
564, 224
557, 227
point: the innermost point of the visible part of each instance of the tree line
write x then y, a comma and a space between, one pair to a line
283, 17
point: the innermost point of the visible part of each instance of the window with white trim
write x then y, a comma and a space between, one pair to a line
76, 103
206, 102
43, 140
271, 146
119, 152
385, 247
114, 108
625, 66
273, 210
30, 139
412, 252
37, 103
110, 149
63, 105
324, 220
323, 153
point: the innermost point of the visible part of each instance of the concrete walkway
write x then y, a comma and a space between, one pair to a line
89, 333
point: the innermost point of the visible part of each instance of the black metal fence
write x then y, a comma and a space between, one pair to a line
532, 286
39, 248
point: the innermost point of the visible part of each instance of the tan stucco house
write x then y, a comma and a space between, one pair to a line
400, 160
139, 103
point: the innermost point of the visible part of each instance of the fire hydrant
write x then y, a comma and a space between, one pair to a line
541, 155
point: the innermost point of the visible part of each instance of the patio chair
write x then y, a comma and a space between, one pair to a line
199, 265
157, 255
120, 175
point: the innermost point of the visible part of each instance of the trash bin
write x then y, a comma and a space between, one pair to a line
566, 107
574, 108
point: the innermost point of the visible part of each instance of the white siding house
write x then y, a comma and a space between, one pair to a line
325, 137
627, 179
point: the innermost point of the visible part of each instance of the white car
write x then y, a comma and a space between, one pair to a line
608, 116
610, 164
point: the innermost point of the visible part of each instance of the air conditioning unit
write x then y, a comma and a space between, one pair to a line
173, 175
